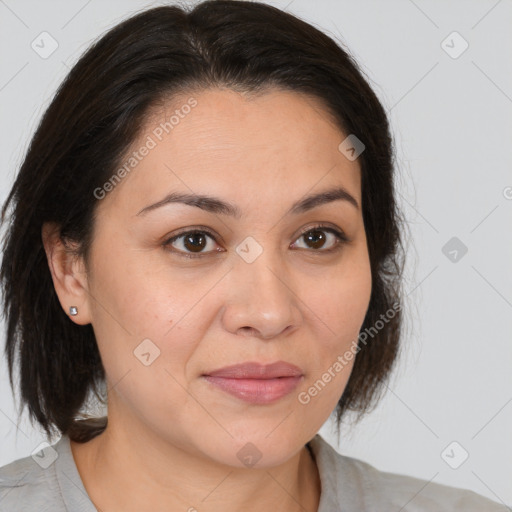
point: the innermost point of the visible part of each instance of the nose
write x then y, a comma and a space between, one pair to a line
261, 300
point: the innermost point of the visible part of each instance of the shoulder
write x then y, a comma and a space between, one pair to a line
415, 494
362, 487
31, 483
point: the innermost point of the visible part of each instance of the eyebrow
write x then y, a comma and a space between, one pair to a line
218, 206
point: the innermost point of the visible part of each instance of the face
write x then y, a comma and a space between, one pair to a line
178, 291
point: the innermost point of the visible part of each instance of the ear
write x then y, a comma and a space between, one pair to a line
68, 273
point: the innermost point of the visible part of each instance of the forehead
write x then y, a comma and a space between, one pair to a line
278, 146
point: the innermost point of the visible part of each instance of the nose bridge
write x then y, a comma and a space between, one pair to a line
260, 297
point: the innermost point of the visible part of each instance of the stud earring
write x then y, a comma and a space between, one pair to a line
73, 310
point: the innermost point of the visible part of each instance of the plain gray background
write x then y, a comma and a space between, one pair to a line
451, 112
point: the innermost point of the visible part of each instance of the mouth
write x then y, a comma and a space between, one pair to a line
255, 383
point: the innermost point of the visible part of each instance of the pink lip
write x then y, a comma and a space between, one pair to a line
256, 383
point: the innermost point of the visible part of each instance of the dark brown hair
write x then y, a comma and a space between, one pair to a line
98, 112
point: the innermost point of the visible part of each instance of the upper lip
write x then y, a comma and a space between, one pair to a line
251, 370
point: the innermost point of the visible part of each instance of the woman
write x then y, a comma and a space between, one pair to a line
205, 221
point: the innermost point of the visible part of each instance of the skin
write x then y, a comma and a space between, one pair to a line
172, 438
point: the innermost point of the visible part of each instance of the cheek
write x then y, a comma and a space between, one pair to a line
342, 300
148, 326
146, 340
338, 308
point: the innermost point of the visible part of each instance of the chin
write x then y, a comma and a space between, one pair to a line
258, 451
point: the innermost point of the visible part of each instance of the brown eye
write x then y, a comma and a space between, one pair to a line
319, 237
192, 244
316, 238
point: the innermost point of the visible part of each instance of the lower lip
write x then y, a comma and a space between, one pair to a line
256, 391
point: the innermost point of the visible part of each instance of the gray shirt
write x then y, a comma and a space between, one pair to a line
49, 481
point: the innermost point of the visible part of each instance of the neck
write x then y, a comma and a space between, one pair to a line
129, 470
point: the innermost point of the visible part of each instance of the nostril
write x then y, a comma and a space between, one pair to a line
248, 330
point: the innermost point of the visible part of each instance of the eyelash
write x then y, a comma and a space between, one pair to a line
340, 235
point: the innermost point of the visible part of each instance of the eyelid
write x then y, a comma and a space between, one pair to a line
327, 227
194, 229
